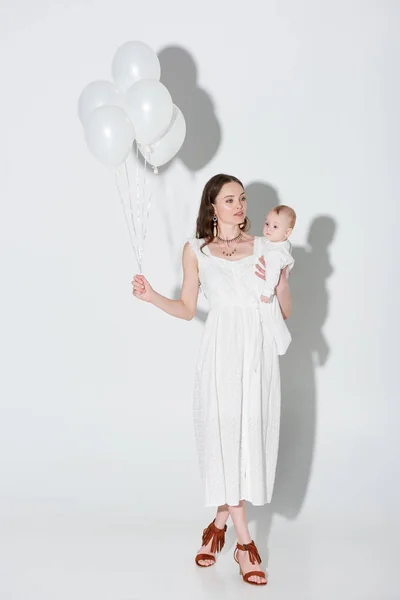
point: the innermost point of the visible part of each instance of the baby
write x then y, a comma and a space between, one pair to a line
278, 226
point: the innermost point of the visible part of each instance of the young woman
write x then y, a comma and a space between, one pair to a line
237, 385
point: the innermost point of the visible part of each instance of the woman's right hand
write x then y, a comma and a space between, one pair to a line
141, 288
261, 270
261, 273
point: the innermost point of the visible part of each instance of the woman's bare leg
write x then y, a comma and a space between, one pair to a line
238, 515
220, 519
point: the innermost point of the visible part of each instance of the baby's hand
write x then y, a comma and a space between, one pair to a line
265, 299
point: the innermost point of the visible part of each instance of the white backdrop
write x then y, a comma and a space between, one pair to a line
299, 100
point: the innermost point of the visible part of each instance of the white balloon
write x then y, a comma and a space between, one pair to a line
168, 146
109, 135
132, 62
150, 109
99, 93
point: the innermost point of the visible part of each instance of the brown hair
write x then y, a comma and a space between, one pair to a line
204, 223
289, 212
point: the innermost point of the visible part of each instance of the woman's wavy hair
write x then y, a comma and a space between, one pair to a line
204, 223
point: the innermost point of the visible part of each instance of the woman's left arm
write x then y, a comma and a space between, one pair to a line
283, 294
282, 289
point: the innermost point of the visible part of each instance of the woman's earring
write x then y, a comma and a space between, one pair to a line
215, 225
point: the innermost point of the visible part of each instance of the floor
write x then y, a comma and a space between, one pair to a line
75, 558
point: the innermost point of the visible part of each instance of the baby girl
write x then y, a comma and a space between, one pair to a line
278, 226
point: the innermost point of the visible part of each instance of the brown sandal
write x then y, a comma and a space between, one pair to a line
253, 556
218, 540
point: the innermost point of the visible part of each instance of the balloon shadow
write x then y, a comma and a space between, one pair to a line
203, 131
308, 350
179, 73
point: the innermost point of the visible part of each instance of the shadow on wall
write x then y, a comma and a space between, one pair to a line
203, 134
203, 131
308, 350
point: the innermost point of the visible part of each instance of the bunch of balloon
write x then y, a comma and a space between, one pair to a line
135, 110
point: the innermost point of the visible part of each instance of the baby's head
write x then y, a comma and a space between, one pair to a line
279, 223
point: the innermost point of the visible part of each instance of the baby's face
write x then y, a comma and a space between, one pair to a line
276, 228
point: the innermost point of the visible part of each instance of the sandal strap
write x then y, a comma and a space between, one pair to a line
247, 576
204, 557
214, 535
252, 550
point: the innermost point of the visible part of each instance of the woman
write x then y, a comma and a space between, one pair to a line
237, 393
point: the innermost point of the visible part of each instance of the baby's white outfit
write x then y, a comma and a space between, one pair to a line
277, 256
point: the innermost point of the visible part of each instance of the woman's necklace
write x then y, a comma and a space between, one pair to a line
235, 239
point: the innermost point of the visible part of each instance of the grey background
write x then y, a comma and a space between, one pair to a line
97, 457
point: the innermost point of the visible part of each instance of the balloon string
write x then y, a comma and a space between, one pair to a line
146, 214
139, 229
139, 201
144, 195
130, 198
147, 217
127, 221
137, 186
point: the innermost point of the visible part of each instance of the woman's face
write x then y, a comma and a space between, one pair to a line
231, 204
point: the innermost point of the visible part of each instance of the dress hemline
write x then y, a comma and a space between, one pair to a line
213, 504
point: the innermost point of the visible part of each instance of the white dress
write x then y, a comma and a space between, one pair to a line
237, 385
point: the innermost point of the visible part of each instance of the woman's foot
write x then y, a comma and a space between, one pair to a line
213, 541
243, 557
206, 550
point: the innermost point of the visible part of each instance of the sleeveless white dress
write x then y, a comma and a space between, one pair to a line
237, 385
